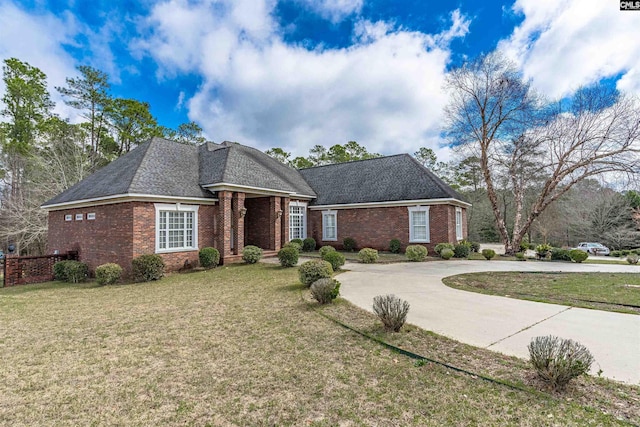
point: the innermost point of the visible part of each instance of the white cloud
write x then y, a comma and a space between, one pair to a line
384, 91
563, 44
333, 10
39, 40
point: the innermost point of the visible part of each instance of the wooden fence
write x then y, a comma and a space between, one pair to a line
22, 270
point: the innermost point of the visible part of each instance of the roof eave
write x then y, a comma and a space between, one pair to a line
393, 203
127, 197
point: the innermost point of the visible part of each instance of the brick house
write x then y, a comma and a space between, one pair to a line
173, 199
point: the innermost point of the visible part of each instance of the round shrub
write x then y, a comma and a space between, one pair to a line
77, 271
349, 244
325, 250
440, 246
368, 256
474, 246
391, 310
293, 244
557, 361
60, 271
251, 254
461, 250
336, 259
288, 256
616, 254
108, 274
325, 290
146, 268
209, 257
488, 253
394, 246
309, 244
577, 255
298, 241
313, 270
416, 253
632, 259
446, 253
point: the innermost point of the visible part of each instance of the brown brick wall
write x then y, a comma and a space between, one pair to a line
375, 227
256, 222
120, 232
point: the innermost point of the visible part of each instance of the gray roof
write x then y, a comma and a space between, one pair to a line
167, 168
157, 167
381, 179
233, 163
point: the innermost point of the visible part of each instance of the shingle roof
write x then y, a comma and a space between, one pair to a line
237, 164
381, 179
157, 167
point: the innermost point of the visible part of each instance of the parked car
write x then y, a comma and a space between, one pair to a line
593, 248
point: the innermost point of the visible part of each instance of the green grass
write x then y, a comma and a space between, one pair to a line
242, 345
603, 291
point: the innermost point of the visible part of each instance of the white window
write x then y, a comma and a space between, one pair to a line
91, 216
330, 226
419, 224
458, 224
78, 217
297, 220
68, 217
176, 227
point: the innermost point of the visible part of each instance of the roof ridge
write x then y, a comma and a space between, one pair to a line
437, 180
144, 155
227, 152
356, 161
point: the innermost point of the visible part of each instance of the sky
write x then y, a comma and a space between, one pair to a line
296, 73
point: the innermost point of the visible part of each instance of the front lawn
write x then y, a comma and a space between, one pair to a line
604, 291
240, 345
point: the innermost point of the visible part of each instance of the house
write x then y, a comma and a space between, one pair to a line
173, 199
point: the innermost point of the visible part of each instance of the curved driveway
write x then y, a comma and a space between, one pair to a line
500, 323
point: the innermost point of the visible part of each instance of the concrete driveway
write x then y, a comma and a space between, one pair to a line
498, 323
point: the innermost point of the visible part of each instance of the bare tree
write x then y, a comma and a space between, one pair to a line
496, 116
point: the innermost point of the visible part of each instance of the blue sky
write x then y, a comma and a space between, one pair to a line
297, 73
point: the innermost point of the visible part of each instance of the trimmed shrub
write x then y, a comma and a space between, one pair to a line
146, 268
325, 290
325, 250
368, 256
635, 251
251, 254
625, 252
461, 250
440, 246
520, 256
60, 270
349, 244
577, 255
391, 310
293, 244
336, 259
446, 254
394, 246
416, 253
313, 270
558, 254
298, 241
209, 257
557, 361
488, 253
616, 254
288, 256
108, 274
76, 271
632, 259
309, 244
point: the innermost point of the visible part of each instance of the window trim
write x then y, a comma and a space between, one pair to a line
412, 210
459, 235
177, 207
324, 227
68, 217
91, 216
79, 217
302, 205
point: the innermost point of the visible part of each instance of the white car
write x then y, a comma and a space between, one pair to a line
593, 248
